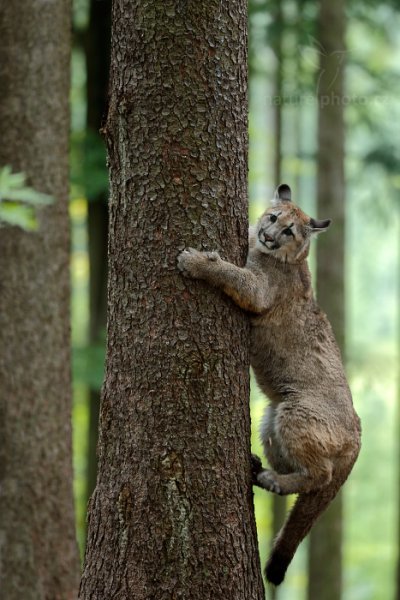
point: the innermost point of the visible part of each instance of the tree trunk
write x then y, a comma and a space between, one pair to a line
172, 514
97, 50
38, 552
97, 234
397, 567
325, 556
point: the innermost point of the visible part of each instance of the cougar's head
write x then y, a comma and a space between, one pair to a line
284, 230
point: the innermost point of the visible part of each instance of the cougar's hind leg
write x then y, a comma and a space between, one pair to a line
297, 482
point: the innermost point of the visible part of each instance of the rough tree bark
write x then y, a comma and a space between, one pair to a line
172, 514
325, 555
38, 552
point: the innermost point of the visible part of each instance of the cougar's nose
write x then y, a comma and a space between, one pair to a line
266, 237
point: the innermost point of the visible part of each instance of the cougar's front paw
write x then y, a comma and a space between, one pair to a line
192, 262
267, 480
189, 261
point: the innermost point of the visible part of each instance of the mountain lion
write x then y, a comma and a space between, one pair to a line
310, 431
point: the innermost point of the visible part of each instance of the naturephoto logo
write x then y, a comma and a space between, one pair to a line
328, 68
332, 65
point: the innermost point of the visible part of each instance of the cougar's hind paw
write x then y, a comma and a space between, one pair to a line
267, 480
256, 468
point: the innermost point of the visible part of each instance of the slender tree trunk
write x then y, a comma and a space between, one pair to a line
38, 552
172, 514
397, 592
325, 556
97, 234
97, 50
298, 133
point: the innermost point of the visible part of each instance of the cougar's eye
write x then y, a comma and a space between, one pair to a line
288, 231
273, 218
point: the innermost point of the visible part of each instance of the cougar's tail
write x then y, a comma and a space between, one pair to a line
302, 517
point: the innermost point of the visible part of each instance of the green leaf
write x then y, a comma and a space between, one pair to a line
15, 214
18, 201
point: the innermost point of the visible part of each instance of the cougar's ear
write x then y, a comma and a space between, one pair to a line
319, 226
283, 193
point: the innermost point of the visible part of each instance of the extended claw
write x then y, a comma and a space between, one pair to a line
191, 262
184, 260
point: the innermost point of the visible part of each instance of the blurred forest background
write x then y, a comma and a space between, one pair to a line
284, 71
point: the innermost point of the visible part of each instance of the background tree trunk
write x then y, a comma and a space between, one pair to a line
325, 555
397, 565
172, 515
38, 552
97, 51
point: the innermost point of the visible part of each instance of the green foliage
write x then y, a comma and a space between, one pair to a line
18, 201
89, 174
80, 14
386, 155
88, 364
